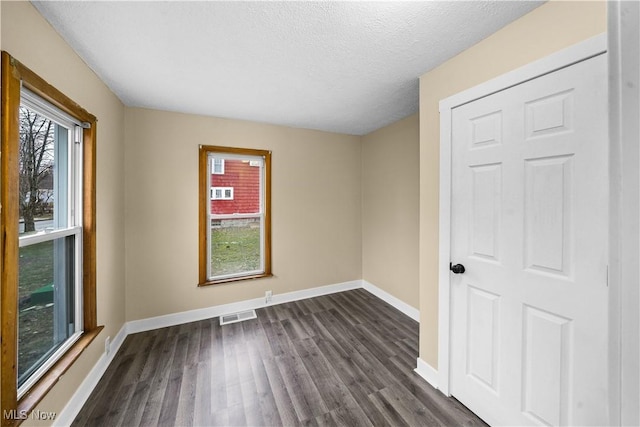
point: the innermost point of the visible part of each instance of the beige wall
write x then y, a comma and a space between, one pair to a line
390, 208
316, 207
30, 39
547, 29
330, 224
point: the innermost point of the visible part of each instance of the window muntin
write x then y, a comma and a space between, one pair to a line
50, 237
235, 217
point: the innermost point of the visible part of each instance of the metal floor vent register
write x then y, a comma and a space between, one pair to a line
238, 317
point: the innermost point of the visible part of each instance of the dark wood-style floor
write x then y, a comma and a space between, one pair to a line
342, 359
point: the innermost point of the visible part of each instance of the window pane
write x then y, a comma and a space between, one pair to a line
235, 239
45, 301
242, 187
235, 246
43, 166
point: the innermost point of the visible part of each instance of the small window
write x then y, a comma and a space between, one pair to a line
217, 166
235, 229
221, 193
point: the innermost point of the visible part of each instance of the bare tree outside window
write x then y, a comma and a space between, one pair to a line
35, 166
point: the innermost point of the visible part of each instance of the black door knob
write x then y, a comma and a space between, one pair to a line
457, 269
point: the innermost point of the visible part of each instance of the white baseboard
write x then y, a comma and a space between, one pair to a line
173, 319
410, 311
427, 372
315, 292
79, 398
220, 310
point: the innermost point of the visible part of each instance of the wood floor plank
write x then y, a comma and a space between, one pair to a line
153, 406
218, 392
237, 415
352, 376
412, 411
283, 312
311, 305
100, 410
137, 403
187, 397
343, 359
304, 394
277, 338
265, 395
351, 415
331, 325
194, 332
286, 409
295, 329
387, 314
100, 393
268, 315
202, 412
220, 418
388, 410
115, 416
350, 314
373, 342
204, 352
331, 388
444, 408
171, 397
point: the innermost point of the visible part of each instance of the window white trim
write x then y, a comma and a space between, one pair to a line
36, 103
51, 360
45, 236
237, 216
221, 193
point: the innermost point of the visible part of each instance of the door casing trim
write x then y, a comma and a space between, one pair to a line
584, 50
623, 20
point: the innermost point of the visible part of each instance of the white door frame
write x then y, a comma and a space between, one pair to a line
581, 51
624, 266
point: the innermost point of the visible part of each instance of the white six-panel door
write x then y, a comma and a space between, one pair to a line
529, 218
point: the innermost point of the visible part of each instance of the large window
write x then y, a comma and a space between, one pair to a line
47, 223
235, 229
50, 231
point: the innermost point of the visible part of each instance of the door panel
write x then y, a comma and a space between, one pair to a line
483, 311
547, 214
546, 370
485, 211
550, 115
529, 222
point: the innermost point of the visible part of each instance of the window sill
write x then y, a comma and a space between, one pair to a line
235, 279
32, 397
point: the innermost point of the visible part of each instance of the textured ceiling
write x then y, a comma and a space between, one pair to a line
349, 67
